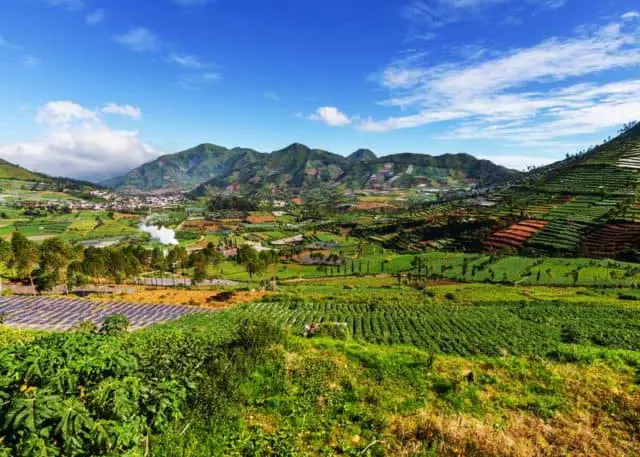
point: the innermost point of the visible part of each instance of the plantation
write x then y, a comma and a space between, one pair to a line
488, 329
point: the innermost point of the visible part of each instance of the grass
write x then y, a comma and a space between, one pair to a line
327, 397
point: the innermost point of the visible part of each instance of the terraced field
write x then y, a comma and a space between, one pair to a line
611, 240
515, 235
573, 220
594, 179
47, 313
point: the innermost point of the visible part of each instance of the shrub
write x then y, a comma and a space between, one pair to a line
85, 327
114, 324
570, 335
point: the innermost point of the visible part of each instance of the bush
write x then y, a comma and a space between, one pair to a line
623, 296
85, 327
114, 324
570, 335
450, 296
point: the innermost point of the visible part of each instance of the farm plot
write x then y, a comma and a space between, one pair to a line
48, 313
494, 329
595, 179
569, 222
515, 235
43, 227
611, 240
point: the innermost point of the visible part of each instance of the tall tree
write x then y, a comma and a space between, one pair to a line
55, 257
25, 257
6, 255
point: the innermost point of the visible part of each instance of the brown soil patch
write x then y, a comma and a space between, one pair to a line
205, 298
260, 219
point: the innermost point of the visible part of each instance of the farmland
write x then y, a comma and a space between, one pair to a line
42, 313
363, 323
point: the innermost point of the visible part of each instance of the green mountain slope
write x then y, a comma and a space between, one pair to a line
11, 171
586, 204
42, 181
297, 167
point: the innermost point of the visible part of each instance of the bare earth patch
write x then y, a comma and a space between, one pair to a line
204, 298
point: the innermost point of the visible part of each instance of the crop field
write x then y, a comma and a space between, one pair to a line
492, 329
515, 235
47, 313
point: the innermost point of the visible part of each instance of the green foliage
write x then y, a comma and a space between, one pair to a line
80, 394
88, 393
114, 324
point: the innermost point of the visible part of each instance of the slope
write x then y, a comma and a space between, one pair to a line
297, 167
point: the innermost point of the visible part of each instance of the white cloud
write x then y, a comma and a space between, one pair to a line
69, 4
186, 60
139, 39
95, 17
525, 95
123, 110
59, 113
519, 162
78, 143
331, 116
631, 15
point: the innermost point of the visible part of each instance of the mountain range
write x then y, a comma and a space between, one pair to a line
296, 168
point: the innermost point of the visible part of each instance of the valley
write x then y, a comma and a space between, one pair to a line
330, 306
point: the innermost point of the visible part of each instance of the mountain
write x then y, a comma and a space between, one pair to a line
362, 155
584, 205
42, 181
208, 167
9, 170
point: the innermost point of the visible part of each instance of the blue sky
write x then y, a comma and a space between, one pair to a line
92, 88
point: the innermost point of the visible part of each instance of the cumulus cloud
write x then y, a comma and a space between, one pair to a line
123, 110
331, 116
547, 91
631, 15
186, 60
61, 113
139, 39
76, 142
95, 17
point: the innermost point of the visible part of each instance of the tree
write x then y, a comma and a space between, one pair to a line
158, 259
6, 255
177, 258
252, 261
25, 257
213, 255
55, 257
199, 273
94, 263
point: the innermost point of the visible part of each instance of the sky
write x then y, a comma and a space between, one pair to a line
93, 88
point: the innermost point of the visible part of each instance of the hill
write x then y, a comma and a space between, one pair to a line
297, 167
9, 170
586, 205
41, 181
